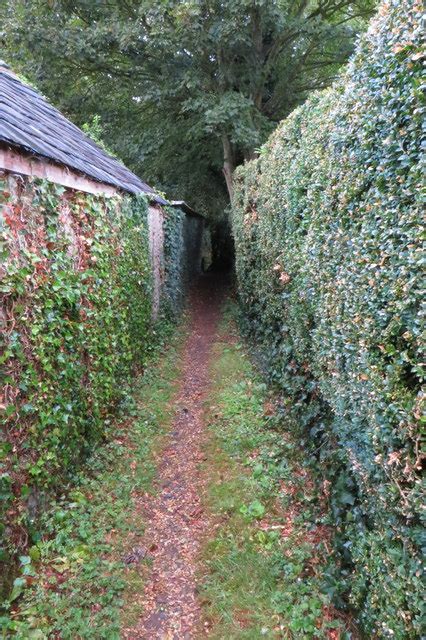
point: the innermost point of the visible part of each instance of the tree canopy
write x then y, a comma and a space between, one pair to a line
185, 89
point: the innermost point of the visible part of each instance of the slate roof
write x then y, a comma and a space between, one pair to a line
28, 121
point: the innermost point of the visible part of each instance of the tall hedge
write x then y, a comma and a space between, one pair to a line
76, 310
327, 228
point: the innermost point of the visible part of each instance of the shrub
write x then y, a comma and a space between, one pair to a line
76, 306
326, 224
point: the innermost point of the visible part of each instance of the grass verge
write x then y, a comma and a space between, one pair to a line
265, 570
74, 583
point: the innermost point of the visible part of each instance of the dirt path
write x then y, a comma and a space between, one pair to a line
176, 522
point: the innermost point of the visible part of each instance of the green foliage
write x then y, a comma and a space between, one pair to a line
172, 80
74, 580
266, 560
182, 242
327, 225
174, 268
77, 304
95, 130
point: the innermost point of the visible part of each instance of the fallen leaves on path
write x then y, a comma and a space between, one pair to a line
170, 608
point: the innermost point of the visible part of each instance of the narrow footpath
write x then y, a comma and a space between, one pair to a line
204, 516
175, 517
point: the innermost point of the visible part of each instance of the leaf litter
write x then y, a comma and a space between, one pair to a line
177, 521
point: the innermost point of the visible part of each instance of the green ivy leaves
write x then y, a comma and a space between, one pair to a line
327, 228
77, 300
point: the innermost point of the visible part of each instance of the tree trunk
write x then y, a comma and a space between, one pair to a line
228, 165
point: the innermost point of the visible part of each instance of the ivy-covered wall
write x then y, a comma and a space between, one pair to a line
182, 256
193, 229
327, 226
156, 251
76, 313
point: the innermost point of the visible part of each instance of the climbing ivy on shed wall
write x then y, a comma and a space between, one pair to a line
174, 267
76, 300
182, 257
327, 226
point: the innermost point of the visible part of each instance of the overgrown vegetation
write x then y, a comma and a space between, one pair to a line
74, 579
182, 257
267, 573
327, 228
77, 313
173, 267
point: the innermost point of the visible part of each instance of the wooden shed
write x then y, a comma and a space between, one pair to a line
37, 140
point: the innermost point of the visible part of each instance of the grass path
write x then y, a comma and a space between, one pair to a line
201, 518
264, 571
176, 520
